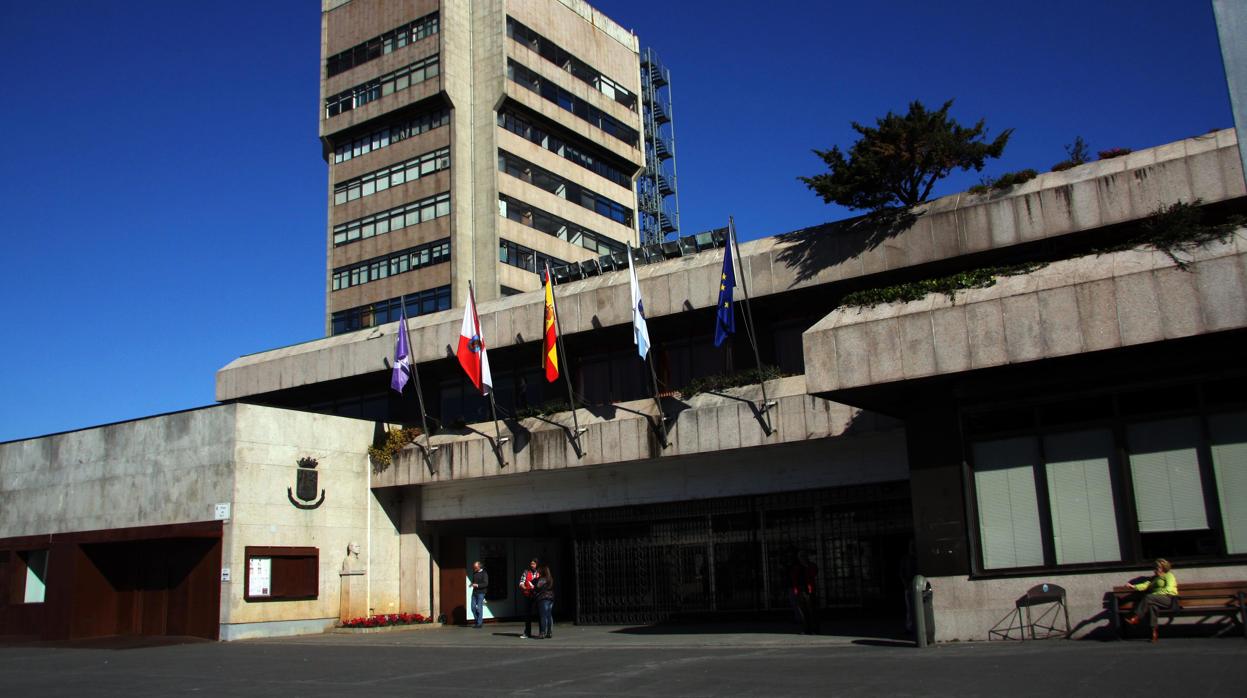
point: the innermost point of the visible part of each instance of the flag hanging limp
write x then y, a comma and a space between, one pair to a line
725, 318
550, 343
640, 331
471, 351
403, 363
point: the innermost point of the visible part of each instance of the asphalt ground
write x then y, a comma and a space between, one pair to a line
606, 661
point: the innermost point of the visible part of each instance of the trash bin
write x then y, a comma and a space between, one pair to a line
924, 612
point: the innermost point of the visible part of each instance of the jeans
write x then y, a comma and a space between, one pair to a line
545, 608
478, 608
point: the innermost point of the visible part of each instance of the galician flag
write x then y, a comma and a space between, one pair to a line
471, 350
550, 343
640, 331
403, 363
725, 318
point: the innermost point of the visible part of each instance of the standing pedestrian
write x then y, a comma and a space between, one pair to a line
528, 586
802, 575
545, 601
480, 584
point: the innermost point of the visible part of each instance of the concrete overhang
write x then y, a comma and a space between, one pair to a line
1054, 204
705, 424
1079, 306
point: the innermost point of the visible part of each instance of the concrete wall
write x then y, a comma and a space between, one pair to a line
269, 444
850, 460
169, 469
967, 609
1079, 305
706, 424
173, 469
1054, 204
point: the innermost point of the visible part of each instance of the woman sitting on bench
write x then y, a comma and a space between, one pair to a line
1159, 593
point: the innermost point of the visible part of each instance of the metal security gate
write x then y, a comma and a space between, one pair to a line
645, 564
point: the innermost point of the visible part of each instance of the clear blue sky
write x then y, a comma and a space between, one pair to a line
164, 197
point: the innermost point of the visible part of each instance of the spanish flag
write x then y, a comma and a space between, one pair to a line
550, 343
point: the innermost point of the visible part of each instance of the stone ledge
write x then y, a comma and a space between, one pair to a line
708, 423
1069, 307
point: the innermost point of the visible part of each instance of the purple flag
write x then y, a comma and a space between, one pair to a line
403, 365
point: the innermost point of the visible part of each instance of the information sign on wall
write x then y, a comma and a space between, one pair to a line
259, 576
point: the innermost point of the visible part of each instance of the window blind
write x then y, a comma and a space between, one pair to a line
1004, 483
1168, 491
1229, 465
1080, 492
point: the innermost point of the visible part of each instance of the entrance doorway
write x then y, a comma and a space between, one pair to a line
503, 559
646, 564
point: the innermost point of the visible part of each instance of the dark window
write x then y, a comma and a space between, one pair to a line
553, 93
386, 43
566, 61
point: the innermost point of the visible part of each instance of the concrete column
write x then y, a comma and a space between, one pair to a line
418, 573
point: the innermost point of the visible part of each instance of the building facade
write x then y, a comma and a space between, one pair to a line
471, 142
1080, 414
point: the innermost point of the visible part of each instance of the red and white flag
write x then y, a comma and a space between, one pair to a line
471, 351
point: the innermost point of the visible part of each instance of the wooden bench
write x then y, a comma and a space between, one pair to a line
1202, 599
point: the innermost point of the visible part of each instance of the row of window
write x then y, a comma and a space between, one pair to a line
1082, 496
392, 176
378, 46
390, 135
551, 224
526, 258
396, 218
569, 102
524, 129
381, 312
392, 264
579, 69
377, 88
544, 179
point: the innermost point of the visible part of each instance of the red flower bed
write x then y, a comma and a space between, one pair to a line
386, 619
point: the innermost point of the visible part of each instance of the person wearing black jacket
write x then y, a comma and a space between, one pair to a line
544, 593
480, 584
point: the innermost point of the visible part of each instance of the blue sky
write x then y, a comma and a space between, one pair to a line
164, 194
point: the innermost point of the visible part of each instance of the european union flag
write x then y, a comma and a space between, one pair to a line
725, 318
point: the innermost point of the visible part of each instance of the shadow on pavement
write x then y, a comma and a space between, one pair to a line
116, 642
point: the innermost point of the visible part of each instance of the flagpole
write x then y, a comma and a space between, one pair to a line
493, 406
429, 448
747, 315
635, 285
566, 368
662, 415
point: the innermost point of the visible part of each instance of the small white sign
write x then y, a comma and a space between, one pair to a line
259, 576
220, 512
224, 574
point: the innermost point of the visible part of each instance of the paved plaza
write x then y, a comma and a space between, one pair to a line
708, 660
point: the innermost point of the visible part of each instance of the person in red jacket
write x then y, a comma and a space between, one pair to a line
803, 575
528, 585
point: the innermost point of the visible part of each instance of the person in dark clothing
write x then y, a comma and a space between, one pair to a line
802, 575
528, 586
544, 594
480, 584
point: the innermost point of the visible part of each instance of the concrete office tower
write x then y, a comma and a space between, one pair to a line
473, 140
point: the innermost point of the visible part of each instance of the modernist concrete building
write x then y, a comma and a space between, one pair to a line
471, 141
1063, 425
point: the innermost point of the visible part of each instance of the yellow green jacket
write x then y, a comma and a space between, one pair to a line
1165, 584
